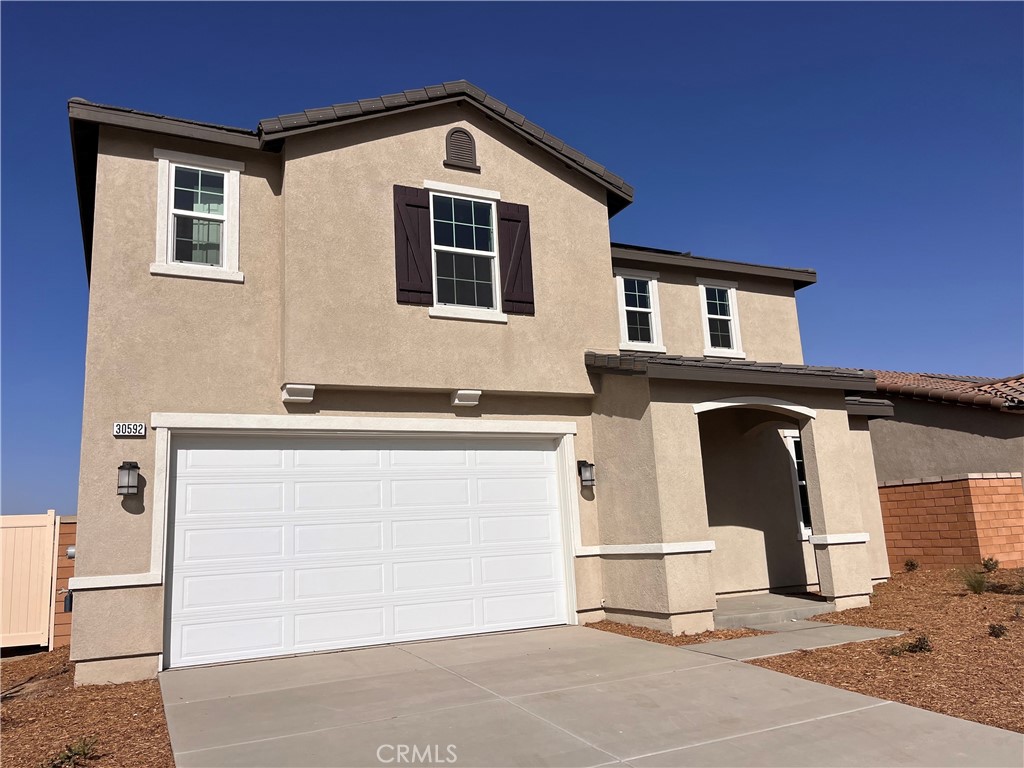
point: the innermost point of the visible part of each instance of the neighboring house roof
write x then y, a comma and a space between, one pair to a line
86, 116
638, 253
977, 391
741, 371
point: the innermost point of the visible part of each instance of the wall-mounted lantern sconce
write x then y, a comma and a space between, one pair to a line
586, 472
128, 478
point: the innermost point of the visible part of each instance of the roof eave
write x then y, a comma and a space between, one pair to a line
800, 278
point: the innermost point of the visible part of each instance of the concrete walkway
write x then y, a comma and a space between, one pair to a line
789, 636
567, 696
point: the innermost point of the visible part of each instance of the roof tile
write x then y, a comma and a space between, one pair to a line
998, 394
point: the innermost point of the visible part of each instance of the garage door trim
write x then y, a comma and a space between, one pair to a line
168, 425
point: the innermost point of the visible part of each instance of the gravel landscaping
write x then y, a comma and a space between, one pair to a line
968, 673
113, 726
664, 638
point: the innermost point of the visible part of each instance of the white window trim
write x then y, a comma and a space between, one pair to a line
455, 311
657, 343
736, 351
789, 436
163, 262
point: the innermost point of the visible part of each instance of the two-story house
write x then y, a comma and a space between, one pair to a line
385, 377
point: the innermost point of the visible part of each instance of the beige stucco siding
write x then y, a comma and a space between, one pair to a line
934, 439
766, 309
342, 323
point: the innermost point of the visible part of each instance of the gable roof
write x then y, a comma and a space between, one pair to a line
85, 118
272, 128
977, 391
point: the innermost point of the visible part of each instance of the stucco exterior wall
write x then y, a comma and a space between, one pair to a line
769, 328
340, 259
933, 439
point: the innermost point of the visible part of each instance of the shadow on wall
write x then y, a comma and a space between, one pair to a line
752, 508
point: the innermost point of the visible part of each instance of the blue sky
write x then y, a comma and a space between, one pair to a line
879, 143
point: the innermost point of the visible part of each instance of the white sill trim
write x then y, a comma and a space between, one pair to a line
732, 354
840, 538
636, 346
468, 313
177, 269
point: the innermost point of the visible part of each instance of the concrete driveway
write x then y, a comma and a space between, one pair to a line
568, 696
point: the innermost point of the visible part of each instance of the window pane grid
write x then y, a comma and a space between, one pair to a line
801, 481
717, 301
720, 333
465, 273
197, 241
638, 326
199, 192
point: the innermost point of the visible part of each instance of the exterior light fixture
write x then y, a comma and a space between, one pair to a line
586, 472
128, 478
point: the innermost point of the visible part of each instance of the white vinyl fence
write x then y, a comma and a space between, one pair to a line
28, 546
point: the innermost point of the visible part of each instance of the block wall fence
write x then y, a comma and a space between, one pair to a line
954, 520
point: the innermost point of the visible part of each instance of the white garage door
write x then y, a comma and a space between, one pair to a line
287, 546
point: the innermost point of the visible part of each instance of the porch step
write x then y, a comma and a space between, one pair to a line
750, 610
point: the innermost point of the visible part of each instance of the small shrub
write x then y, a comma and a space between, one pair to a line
974, 581
996, 630
911, 565
921, 645
74, 755
990, 564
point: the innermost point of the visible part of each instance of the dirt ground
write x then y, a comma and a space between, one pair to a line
42, 712
968, 673
664, 638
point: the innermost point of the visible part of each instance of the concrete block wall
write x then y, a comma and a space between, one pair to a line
954, 520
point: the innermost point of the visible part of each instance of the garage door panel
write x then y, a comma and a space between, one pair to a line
225, 589
421, 493
337, 459
432, 574
515, 609
339, 581
520, 528
233, 498
313, 543
211, 544
349, 494
348, 627
339, 538
429, 532
237, 638
505, 569
509, 491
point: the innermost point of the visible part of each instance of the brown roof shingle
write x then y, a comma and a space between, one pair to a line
977, 391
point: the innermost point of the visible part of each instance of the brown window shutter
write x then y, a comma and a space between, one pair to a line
413, 266
516, 259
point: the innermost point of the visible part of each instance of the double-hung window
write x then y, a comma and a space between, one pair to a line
465, 250
639, 317
721, 319
197, 224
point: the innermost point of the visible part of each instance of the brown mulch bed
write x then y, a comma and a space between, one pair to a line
43, 711
967, 674
664, 638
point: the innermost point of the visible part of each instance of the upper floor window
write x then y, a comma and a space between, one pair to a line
197, 217
465, 252
639, 317
721, 318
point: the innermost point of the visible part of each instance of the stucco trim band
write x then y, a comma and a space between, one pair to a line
667, 548
766, 403
840, 538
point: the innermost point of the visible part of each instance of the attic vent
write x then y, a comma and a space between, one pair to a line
460, 150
